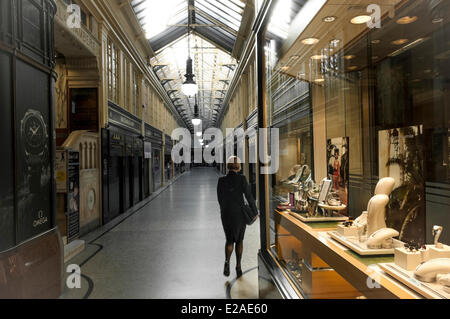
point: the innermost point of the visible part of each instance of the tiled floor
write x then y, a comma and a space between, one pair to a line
171, 248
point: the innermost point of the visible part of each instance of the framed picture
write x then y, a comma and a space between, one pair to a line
401, 156
325, 190
338, 166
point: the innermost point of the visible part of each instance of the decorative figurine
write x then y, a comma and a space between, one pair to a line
385, 186
428, 271
382, 238
376, 213
437, 231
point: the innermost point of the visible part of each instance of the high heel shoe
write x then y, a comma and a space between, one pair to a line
239, 272
226, 269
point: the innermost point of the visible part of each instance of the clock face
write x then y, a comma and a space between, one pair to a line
34, 132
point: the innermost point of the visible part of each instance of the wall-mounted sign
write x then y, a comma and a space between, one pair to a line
123, 119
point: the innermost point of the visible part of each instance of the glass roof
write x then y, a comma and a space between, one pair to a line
213, 69
215, 25
165, 21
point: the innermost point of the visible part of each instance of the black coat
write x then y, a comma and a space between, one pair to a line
230, 191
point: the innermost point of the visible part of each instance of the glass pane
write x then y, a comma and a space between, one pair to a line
358, 98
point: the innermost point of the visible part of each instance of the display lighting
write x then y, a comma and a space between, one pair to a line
329, 19
360, 19
310, 41
407, 20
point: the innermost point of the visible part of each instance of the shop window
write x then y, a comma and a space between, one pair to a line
136, 91
127, 84
113, 71
85, 16
354, 106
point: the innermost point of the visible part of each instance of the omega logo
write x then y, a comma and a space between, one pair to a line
41, 219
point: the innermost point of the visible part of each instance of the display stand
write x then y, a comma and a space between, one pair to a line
361, 248
314, 219
428, 290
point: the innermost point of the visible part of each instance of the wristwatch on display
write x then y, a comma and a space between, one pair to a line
34, 137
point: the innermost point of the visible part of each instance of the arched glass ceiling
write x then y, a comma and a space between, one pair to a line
215, 25
213, 69
165, 21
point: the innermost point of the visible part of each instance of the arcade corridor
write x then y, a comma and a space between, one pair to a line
171, 248
119, 117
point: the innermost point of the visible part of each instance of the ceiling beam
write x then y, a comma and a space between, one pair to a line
245, 28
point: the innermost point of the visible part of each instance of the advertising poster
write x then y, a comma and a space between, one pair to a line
401, 157
33, 152
61, 171
338, 167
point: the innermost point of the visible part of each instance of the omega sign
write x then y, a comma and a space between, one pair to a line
41, 219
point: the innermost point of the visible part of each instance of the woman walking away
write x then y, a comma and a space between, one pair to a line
230, 191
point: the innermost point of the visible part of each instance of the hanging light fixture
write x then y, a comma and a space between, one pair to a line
196, 120
189, 87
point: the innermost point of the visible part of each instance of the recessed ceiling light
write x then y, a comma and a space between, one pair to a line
437, 20
400, 41
376, 41
361, 19
329, 19
310, 41
407, 20
349, 57
318, 57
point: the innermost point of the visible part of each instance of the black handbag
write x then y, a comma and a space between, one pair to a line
250, 216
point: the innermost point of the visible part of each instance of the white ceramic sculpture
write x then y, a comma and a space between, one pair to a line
376, 213
428, 271
382, 238
385, 186
361, 220
443, 279
437, 231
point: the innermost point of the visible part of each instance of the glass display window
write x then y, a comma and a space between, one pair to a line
361, 101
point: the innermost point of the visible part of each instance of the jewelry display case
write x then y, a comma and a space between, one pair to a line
365, 109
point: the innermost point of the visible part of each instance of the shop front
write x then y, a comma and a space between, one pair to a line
30, 244
122, 153
363, 185
154, 136
168, 164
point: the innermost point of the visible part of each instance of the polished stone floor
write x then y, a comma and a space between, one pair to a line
171, 248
